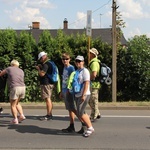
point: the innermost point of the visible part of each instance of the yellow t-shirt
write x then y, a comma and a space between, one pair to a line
94, 66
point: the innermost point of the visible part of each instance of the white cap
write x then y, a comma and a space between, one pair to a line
41, 54
80, 58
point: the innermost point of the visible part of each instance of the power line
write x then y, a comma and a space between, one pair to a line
92, 12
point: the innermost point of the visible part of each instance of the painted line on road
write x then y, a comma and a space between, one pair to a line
103, 116
115, 116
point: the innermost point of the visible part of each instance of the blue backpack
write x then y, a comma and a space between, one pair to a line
54, 74
76, 85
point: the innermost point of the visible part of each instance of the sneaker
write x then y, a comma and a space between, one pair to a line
14, 121
47, 117
21, 118
68, 130
88, 132
1, 110
82, 130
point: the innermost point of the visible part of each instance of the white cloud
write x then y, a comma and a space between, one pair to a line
131, 9
39, 4
145, 2
134, 32
25, 15
81, 20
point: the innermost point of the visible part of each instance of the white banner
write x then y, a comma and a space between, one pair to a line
89, 23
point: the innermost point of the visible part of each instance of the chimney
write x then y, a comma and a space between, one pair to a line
35, 25
65, 23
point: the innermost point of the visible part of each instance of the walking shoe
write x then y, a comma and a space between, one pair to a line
82, 130
93, 120
88, 132
68, 130
47, 117
14, 121
21, 118
1, 110
98, 116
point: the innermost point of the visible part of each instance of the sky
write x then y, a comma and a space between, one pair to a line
19, 14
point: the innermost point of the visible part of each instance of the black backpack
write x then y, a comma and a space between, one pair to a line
104, 74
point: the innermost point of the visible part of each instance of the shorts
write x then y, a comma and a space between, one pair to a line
69, 101
81, 105
46, 91
17, 92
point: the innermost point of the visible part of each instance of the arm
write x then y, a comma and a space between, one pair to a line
40, 72
86, 85
94, 70
3, 72
93, 75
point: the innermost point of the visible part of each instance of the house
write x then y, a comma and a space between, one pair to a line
104, 33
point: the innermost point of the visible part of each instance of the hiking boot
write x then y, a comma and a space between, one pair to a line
47, 117
69, 130
88, 132
21, 118
14, 121
1, 110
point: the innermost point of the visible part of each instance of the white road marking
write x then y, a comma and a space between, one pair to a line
103, 116
117, 116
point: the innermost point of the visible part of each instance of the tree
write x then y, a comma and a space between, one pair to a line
134, 70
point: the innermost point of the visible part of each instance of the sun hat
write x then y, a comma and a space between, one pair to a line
81, 58
41, 54
94, 51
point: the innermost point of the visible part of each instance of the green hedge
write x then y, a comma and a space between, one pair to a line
133, 67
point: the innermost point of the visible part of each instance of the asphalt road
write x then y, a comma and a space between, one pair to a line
116, 130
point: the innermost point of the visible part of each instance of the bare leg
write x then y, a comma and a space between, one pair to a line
14, 107
86, 120
49, 106
72, 116
19, 108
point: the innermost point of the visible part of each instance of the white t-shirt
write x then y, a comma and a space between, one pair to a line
84, 75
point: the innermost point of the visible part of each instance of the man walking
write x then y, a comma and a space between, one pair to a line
94, 68
46, 84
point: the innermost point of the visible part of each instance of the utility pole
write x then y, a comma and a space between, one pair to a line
100, 20
114, 52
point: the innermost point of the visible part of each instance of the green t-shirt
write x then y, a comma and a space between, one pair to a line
94, 66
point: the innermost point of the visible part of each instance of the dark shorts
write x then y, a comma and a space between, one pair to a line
69, 101
81, 105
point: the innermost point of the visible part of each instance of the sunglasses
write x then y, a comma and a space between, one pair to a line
78, 61
65, 58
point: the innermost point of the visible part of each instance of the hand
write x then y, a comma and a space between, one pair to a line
37, 67
83, 97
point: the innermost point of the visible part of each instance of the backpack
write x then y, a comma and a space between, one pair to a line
75, 86
54, 74
104, 74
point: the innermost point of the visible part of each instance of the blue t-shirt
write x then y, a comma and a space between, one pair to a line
66, 73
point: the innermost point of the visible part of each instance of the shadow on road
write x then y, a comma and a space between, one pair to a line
35, 129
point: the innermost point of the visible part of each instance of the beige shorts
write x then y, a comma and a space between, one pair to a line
17, 92
46, 91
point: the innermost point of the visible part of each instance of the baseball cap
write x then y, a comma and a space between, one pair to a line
41, 54
81, 58
94, 51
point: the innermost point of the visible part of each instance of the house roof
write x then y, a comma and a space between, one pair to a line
104, 33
